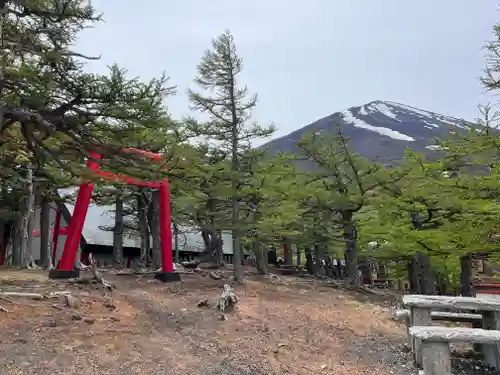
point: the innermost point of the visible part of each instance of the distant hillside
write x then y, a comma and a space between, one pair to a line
379, 130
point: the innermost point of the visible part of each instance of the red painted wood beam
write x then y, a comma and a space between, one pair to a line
165, 228
75, 229
151, 155
62, 230
129, 180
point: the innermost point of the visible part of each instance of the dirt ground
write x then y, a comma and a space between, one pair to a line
281, 325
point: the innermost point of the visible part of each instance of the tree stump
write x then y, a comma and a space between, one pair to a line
227, 300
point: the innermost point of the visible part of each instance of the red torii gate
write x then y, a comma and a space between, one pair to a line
65, 267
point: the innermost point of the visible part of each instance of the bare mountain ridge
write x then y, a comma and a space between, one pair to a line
380, 130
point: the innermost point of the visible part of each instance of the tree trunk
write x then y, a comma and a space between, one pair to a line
288, 252
14, 248
299, 260
260, 257
441, 283
309, 262
328, 267
118, 232
413, 275
242, 254
206, 240
45, 260
21, 249
466, 288
31, 224
318, 256
2, 236
235, 169
176, 243
215, 241
350, 253
426, 275
143, 228
219, 253
5, 229
366, 269
214, 236
421, 275
238, 269
381, 269
155, 229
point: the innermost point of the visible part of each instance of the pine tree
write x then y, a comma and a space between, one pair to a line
228, 106
63, 112
447, 208
337, 190
270, 210
200, 197
53, 113
434, 210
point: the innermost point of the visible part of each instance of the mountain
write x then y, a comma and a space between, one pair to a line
380, 130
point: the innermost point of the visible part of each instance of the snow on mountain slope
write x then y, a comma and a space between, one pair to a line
380, 130
349, 118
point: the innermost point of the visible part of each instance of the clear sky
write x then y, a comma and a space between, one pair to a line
309, 58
